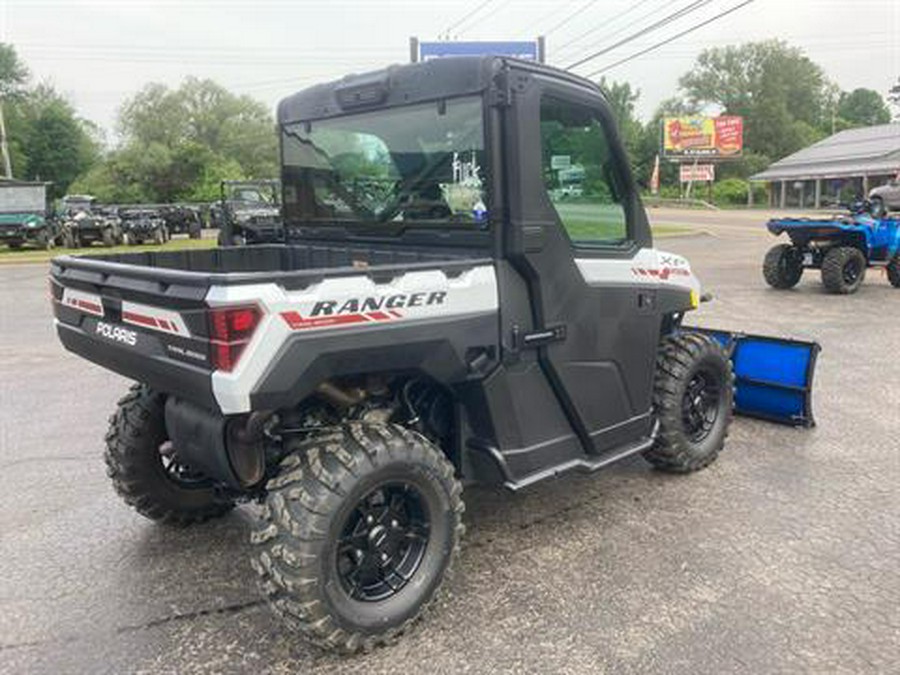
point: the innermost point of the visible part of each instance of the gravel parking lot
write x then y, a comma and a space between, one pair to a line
781, 557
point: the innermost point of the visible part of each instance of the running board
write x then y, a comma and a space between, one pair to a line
773, 376
584, 464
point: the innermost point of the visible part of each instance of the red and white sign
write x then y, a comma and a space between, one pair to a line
697, 173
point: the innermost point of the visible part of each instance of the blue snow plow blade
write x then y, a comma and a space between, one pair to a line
773, 376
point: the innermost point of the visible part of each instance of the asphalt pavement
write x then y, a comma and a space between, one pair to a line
782, 557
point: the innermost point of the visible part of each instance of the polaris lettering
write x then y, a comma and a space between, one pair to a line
117, 333
355, 305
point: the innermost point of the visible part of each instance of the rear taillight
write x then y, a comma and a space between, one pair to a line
230, 329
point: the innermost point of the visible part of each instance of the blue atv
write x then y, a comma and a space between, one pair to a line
843, 247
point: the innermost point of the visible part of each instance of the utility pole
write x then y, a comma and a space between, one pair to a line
4, 148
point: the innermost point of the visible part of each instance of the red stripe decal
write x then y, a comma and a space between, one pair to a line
88, 306
164, 324
379, 316
395, 313
297, 322
139, 319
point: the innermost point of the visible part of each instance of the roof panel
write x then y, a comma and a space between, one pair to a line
873, 149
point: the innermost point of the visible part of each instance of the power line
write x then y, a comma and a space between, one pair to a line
540, 21
606, 23
668, 40
484, 17
571, 16
674, 16
481, 5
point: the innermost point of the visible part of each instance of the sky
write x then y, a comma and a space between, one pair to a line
99, 53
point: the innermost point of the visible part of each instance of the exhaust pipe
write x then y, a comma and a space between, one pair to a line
227, 450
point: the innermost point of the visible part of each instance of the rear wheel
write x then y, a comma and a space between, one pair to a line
15, 245
783, 266
109, 238
144, 467
893, 271
843, 270
357, 533
693, 395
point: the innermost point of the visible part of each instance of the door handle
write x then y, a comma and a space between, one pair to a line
538, 338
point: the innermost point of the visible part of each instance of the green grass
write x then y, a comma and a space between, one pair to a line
28, 255
604, 221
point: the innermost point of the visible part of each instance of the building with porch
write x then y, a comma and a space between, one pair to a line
836, 169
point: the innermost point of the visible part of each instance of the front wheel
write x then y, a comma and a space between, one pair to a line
143, 465
357, 533
783, 266
893, 271
693, 395
843, 270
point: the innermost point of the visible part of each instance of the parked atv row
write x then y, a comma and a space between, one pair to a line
85, 222
842, 247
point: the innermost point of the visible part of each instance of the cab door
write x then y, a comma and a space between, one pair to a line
574, 224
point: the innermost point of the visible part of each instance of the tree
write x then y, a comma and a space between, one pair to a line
178, 144
57, 145
894, 97
780, 92
47, 140
862, 108
13, 73
205, 114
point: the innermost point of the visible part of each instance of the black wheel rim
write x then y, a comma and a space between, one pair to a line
176, 472
383, 542
851, 272
700, 405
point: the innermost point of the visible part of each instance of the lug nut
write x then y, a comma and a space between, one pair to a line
369, 520
395, 524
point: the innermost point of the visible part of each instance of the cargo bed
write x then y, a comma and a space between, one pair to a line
152, 316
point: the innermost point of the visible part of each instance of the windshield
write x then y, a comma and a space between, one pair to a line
252, 196
421, 163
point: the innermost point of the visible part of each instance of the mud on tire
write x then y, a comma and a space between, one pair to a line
135, 464
319, 541
693, 396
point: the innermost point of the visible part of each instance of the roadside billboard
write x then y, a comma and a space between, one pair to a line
530, 50
709, 137
697, 173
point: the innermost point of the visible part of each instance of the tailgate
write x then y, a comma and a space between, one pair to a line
150, 331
